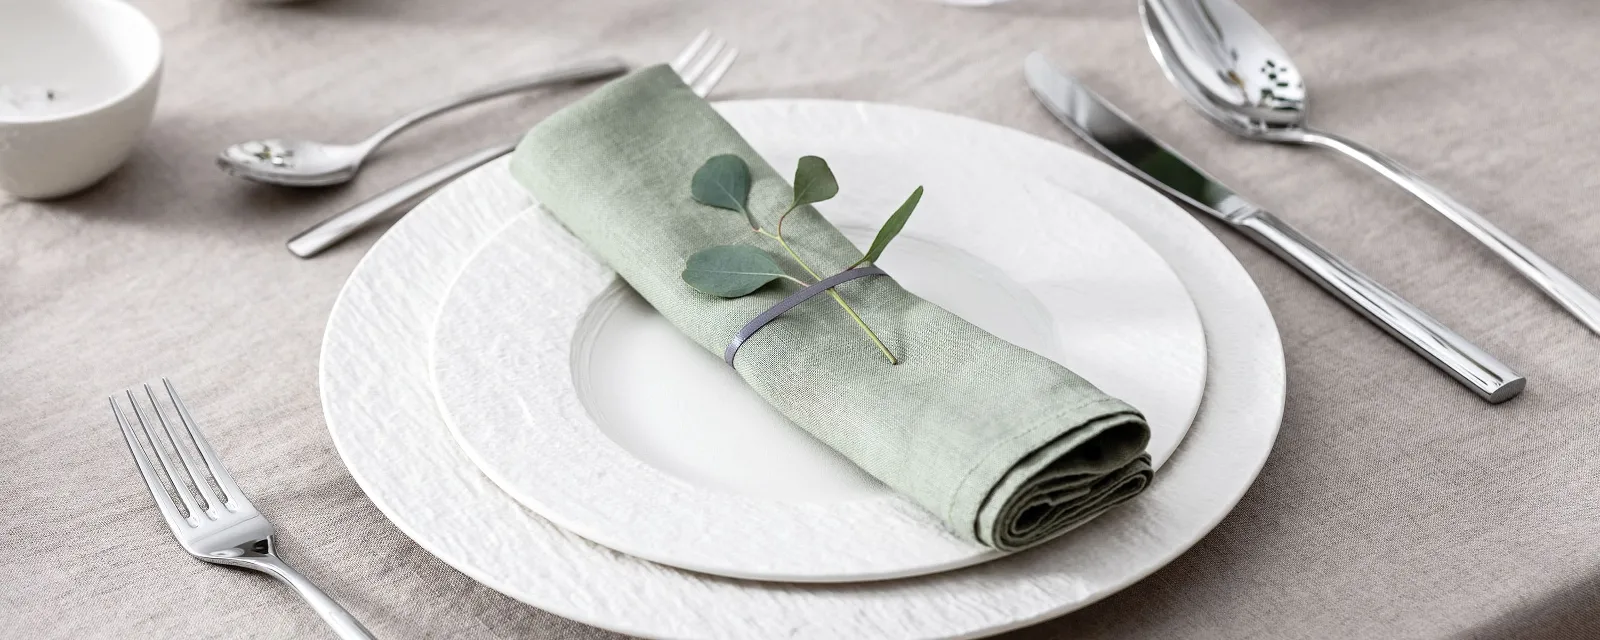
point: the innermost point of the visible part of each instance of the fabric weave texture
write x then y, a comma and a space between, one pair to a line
1006, 446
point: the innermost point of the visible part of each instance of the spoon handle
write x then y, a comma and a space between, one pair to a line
578, 72
401, 197
1491, 379
1558, 285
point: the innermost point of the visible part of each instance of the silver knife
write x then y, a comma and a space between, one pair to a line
1113, 134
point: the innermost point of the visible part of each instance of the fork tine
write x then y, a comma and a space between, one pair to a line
201, 489
231, 494
704, 85
175, 520
690, 51
166, 465
698, 68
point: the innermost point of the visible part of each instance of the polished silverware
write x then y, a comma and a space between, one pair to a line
1234, 73
303, 163
220, 526
702, 65
1113, 134
401, 197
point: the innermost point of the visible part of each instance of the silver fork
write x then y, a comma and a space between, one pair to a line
701, 65
221, 527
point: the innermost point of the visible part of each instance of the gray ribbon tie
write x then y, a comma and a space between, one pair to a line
750, 328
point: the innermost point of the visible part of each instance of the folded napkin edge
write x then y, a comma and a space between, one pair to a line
1097, 409
1021, 458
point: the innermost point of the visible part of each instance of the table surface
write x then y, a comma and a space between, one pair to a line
1395, 504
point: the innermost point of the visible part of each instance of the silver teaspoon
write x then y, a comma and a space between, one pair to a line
303, 163
1229, 68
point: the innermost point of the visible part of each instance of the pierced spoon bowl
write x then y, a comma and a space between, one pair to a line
1228, 66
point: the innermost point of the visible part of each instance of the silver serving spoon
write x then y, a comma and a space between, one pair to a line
1229, 68
303, 163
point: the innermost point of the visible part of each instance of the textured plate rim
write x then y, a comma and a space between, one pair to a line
645, 511
1266, 353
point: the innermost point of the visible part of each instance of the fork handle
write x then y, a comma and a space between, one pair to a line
344, 625
576, 72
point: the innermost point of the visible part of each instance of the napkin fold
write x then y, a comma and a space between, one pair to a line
1007, 447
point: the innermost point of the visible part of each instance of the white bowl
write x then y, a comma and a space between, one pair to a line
78, 85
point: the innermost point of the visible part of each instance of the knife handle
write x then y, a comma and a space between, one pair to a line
1491, 379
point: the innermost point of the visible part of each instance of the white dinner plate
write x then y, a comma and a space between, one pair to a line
589, 408
382, 417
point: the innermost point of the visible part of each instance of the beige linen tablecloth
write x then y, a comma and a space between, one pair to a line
1395, 504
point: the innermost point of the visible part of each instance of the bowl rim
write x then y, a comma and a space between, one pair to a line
132, 16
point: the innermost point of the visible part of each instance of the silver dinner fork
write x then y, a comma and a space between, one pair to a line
218, 526
701, 65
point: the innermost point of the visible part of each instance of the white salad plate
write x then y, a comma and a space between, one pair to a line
383, 417
585, 405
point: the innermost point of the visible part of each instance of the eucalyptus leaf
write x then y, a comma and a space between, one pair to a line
731, 270
724, 182
892, 227
813, 182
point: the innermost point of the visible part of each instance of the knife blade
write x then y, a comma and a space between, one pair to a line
1110, 132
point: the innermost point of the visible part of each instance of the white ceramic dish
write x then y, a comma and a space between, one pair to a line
589, 408
78, 86
383, 419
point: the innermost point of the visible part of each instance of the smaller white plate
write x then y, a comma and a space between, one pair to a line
381, 412
584, 404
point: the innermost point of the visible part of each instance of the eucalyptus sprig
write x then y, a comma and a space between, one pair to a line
735, 270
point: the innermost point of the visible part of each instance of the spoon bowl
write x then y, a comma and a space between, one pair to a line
1226, 64
303, 163
299, 163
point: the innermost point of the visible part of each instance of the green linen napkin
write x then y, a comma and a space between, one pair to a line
1006, 446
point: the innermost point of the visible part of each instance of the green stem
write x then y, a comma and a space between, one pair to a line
749, 217
796, 257
785, 216
863, 324
836, 297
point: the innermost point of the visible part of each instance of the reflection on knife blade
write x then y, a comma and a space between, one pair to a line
1113, 134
